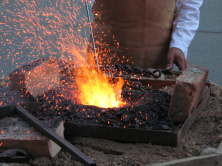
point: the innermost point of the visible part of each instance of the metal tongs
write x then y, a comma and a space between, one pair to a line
13, 155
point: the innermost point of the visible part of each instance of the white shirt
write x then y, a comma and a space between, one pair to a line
185, 24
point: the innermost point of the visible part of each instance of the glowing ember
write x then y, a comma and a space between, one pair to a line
95, 89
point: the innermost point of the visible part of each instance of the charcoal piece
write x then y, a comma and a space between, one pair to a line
126, 118
114, 124
148, 126
167, 119
165, 127
162, 116
103, 121
119, 124
137, 126
180, 125
118, 114
113, 121
89, 117
103, 112
89, 111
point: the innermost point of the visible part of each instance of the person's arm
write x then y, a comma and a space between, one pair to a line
185, 25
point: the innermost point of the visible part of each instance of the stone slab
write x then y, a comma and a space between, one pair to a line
17, 133
37, 77
187, 92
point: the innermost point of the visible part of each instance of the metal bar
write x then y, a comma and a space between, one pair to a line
54, 137
156, 84
7, 111
91, 32
121, 134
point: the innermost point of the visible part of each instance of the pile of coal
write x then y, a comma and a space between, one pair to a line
147, 110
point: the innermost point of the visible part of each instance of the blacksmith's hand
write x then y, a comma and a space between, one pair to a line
175, 55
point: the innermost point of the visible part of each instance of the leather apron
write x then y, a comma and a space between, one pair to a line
133, 32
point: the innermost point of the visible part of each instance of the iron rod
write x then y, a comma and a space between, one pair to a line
91, 32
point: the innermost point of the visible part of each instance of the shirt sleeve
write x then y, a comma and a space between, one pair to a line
186, 23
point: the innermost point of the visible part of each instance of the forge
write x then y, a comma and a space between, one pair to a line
158, 111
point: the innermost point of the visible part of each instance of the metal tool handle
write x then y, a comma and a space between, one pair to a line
91, 32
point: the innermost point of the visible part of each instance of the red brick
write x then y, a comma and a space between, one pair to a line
37, 77
187, 92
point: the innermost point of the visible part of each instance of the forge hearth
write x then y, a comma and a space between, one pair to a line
150, 111
145, 122
144, 119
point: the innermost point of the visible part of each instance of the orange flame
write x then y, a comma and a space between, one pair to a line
95, 89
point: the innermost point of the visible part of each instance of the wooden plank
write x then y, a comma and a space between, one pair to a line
206, 160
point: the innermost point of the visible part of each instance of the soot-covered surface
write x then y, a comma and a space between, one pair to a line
148, 110
12, 97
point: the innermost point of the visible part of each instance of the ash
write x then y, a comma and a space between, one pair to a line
148, 110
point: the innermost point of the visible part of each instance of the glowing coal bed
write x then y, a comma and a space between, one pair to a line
146, 110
